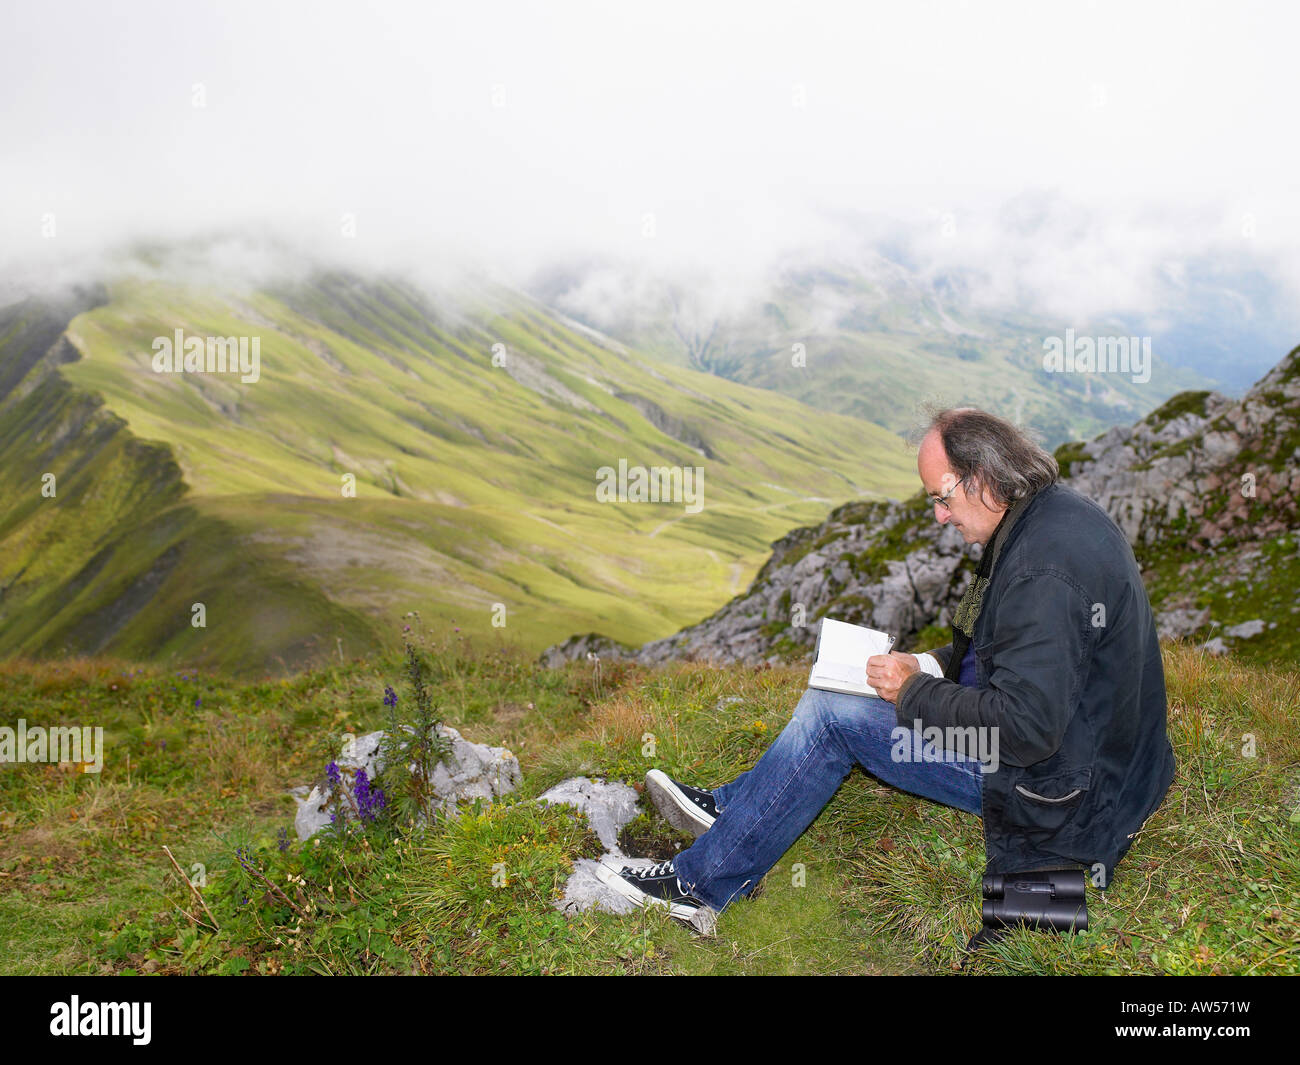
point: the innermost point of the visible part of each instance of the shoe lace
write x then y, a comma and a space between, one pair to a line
662, 869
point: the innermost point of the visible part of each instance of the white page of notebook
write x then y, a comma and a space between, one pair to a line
847, 644
842, 653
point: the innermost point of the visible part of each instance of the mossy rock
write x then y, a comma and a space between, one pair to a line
1176, 406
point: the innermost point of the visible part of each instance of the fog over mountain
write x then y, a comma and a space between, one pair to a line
1090, 163
1222, 309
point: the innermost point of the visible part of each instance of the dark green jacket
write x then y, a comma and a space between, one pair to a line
1068, 670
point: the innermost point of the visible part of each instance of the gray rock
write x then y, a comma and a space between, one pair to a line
584, 891
1246, 629
472, 771
362, 752
705, 921
577, 648
1175, 624
607, 806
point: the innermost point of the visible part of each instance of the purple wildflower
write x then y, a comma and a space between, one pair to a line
369, 800
390, 696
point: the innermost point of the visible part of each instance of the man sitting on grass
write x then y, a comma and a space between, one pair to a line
1054, 646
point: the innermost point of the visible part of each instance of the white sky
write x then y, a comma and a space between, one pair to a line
1152, 129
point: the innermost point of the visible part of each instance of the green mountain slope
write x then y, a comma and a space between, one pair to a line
475, 479
872, 340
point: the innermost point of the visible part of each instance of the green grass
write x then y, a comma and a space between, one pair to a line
472, 489
882, 882
1191, 402
1243, 582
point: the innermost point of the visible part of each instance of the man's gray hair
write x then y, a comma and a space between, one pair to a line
983, 446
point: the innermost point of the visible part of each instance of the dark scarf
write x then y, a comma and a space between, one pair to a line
968, 610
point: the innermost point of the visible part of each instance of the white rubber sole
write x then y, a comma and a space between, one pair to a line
610, 878
675, 807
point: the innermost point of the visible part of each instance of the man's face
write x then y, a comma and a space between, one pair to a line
970, 516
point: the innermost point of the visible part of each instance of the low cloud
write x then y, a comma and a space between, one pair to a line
1080, 162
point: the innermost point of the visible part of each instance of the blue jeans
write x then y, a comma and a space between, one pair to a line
764, 810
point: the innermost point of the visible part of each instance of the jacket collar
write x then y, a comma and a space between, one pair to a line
1011, 522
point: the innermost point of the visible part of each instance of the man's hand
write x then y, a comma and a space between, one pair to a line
886, 673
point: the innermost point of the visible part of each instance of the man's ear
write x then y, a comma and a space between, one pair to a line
978, 488
988, 499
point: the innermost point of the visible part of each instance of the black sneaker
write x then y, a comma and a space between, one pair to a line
656, 886
687, 809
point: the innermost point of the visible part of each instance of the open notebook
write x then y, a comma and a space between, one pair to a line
840, 661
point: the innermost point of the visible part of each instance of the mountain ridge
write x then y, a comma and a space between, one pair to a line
182, 489
867, 336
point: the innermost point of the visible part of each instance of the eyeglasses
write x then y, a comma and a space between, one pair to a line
942, 501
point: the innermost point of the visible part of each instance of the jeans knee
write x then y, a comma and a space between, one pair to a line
811, 705
816, 710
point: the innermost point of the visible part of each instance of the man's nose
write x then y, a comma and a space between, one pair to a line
942, 514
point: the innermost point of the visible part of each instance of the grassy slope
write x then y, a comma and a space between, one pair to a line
890, 881
877, 349
472, 489
914, 350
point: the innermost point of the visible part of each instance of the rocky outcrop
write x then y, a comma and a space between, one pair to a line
470, 771
585, 646
1197, 485
843, 571
666, 423
607, 806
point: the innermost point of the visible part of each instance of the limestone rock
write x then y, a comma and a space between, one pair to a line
1174, 624
585, 891
471, 771
607, 806
577, 648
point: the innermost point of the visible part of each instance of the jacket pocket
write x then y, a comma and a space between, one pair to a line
1043, 805
1045, 798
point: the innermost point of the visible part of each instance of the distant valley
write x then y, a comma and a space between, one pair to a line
870, 338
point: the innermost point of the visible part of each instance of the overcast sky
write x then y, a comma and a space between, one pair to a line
1124, 135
